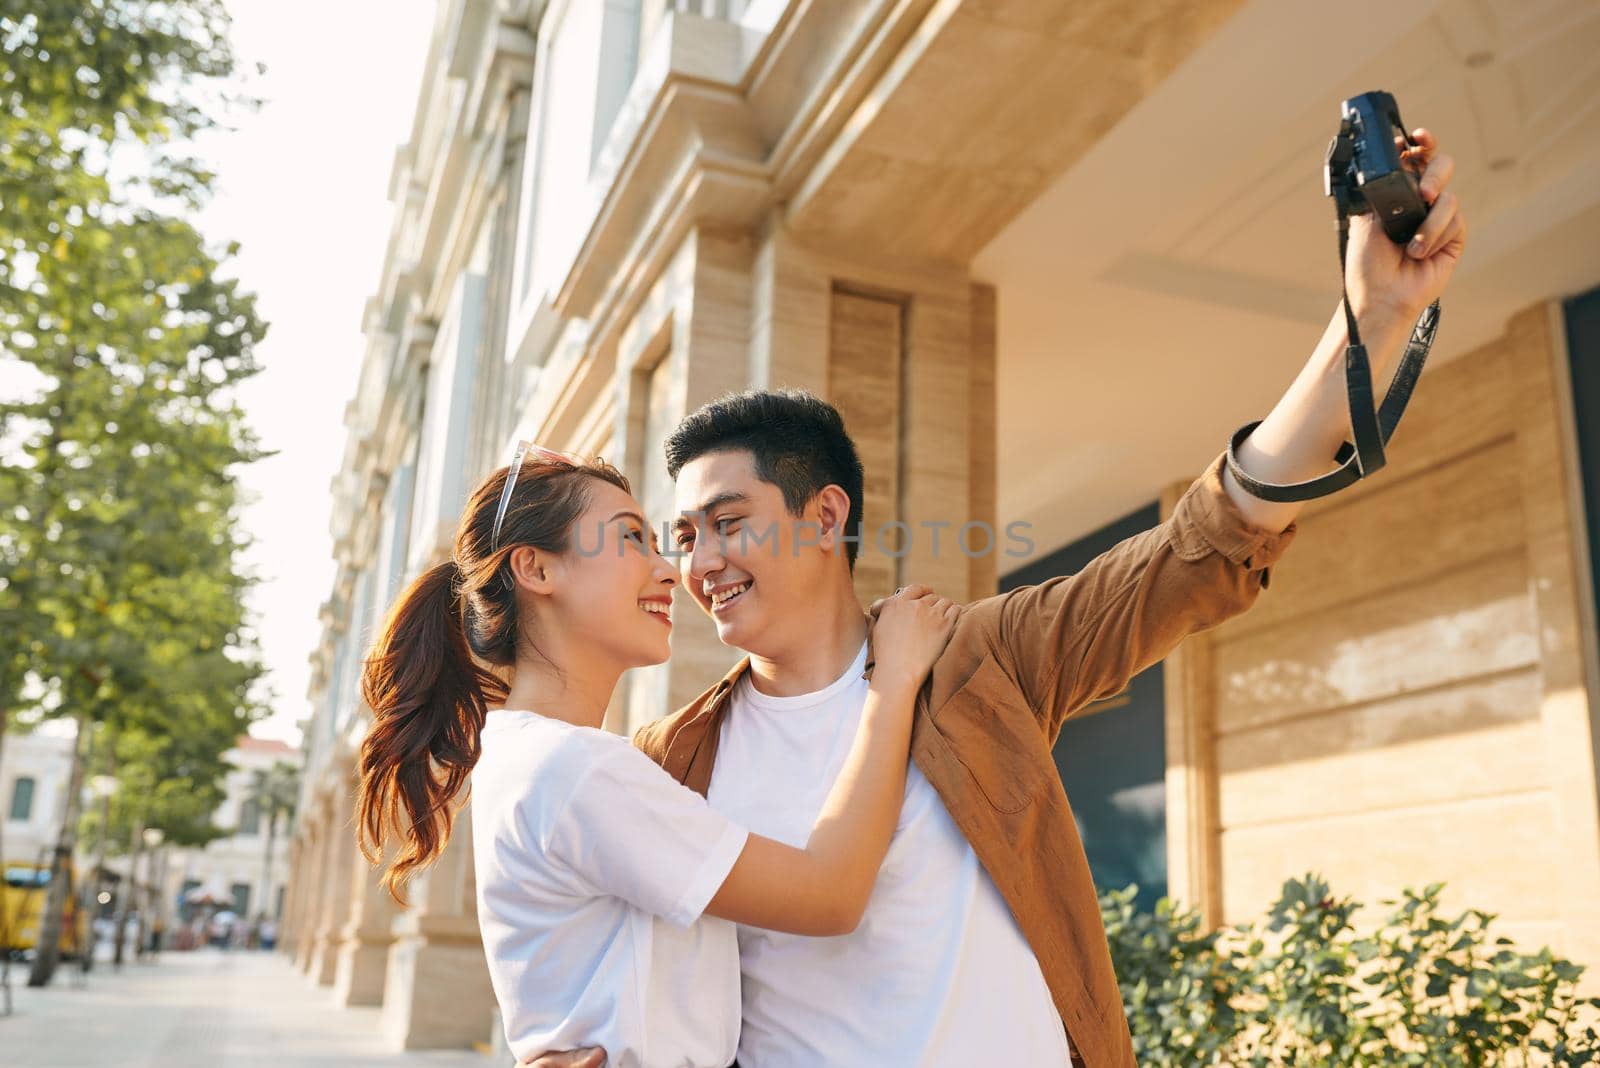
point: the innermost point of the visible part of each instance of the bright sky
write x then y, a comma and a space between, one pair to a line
302, 188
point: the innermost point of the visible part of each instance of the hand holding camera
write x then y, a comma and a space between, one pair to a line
1390, 282
1401, 234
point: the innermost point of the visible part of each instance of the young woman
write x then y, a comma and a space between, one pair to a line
593, 866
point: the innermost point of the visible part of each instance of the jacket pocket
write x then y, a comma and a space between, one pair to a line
996, 737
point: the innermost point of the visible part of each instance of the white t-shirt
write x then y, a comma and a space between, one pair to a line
593, 868
938, 973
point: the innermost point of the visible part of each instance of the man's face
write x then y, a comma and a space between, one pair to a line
746, 561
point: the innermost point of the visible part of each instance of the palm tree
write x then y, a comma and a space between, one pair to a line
275, 791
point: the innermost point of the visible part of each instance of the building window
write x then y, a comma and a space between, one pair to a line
619, 58
22, 799
1583, 354
249, 817
241, 899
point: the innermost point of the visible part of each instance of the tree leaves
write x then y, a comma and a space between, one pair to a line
90, 83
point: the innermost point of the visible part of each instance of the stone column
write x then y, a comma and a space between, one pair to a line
363, 957
905, 349
685, 345
436, 991
293, 879
340, 858
311, 894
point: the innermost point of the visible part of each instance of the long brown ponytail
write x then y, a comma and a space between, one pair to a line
428, 678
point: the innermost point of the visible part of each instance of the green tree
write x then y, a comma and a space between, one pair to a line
120, 588
276, 791
167, 781
124, 530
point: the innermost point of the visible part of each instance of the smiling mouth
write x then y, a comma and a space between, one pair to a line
658, 610
728, 598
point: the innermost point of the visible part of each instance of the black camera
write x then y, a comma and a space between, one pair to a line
1365, 170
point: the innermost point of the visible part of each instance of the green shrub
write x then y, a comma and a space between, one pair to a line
1306, 990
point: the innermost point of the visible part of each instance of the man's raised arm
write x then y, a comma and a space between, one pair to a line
1072, 640
1389, 287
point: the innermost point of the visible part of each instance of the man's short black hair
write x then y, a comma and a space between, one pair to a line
798, 442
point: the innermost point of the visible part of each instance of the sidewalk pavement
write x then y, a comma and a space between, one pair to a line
210, 1008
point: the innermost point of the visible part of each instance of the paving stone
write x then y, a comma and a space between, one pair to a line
236, 1009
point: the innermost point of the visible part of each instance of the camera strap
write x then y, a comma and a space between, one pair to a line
1371, 426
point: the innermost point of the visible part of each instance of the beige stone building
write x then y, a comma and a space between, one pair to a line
1045, 257
34, 771
233, 871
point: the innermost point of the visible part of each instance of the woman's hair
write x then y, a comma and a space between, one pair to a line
427, 679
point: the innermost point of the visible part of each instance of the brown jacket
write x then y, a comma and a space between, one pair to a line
1017, 666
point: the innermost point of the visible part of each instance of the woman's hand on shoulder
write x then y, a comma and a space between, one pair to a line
912, 629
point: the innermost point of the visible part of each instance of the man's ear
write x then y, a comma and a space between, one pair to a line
531, 569
833, 512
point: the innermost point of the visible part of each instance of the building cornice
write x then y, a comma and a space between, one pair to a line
686, 151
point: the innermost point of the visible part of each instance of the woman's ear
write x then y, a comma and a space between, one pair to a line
531, 569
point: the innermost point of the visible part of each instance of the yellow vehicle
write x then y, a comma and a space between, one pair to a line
22, 901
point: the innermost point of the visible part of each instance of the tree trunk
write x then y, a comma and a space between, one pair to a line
5, 721
90, 897
146, 902
47, 952
127, 893
5, 928
158, 901
264, 907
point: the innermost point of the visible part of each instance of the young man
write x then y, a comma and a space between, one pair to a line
982, 943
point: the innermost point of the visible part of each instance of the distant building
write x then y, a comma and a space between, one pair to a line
234, 869
34, 770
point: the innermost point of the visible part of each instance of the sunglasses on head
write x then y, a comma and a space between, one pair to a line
526, 449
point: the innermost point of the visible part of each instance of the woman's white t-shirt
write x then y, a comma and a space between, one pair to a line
593, 867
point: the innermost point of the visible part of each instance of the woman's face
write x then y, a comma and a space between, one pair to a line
614, 593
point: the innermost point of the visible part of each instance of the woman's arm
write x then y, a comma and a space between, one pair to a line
823, 888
